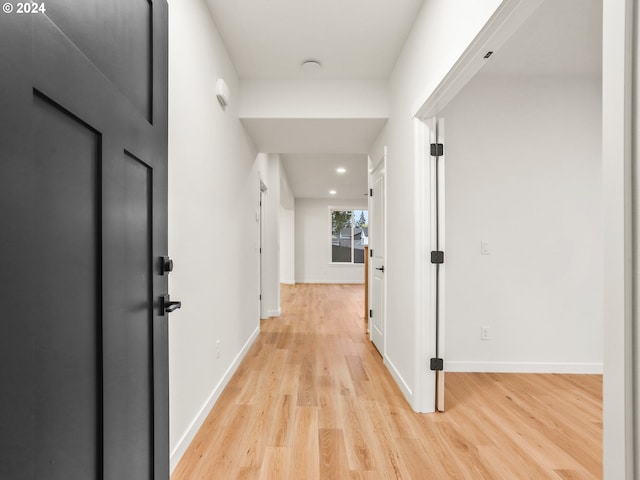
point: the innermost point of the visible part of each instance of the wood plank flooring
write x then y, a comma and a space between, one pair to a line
312, 400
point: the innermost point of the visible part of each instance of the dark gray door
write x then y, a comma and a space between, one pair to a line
83, 210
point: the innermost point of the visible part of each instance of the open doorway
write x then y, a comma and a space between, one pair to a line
523, 205
523, 201
331, 216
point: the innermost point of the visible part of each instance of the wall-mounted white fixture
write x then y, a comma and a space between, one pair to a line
311, 65
485, 333
332, 192
222, 92
341, 170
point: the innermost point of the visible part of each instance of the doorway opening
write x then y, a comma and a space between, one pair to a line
522, 198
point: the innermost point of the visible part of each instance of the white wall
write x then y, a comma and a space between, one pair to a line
441, 33
523, 174
314, 99
277, 233
287, 199
271, 238
287, 229
213, 232
313, 243
287, 245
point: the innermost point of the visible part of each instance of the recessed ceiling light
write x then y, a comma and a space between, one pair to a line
311, 65
332, 192
341, 170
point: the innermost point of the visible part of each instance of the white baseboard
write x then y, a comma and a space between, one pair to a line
197, 422
404, 386
332, 282
523, 367
273, 313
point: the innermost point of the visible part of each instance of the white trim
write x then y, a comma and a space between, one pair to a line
369, 277
508, 17
404, 386
425, 323
381, 159
333, 208
331, 282
262, 303
199, 419
385, 246
274, 313
618, 61
523, 367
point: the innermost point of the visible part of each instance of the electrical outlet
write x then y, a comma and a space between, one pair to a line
217, 348
484, 333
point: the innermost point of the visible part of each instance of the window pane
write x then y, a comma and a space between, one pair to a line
341, 240
360, 234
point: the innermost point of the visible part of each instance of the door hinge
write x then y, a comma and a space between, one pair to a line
437, 149
437, 364
371, 253
260, 250
437, 256
370, 313
371, 192
260, 297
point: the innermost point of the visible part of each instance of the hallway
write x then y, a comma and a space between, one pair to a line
312, 400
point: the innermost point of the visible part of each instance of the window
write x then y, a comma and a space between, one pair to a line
349, 235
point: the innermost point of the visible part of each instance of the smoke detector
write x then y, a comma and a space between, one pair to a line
311, 65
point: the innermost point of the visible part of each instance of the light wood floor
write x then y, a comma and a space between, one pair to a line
312, 400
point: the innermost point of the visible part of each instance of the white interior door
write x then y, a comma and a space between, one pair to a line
377, 257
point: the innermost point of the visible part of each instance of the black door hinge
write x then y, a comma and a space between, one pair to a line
370, 313
260, 297
437, 149
371, 253
437, 364
371, 192
437, 256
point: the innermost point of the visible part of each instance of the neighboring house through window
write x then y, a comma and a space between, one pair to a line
349, 235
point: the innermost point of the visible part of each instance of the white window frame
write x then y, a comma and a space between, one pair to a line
343, 209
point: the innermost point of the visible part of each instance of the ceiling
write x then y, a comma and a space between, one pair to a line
360, 40
313, 175
317, 135
353, 39
562, 37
